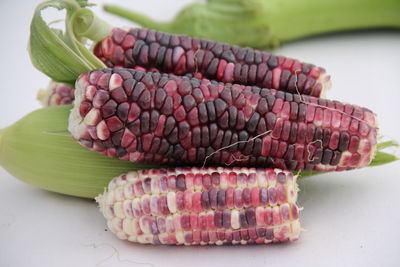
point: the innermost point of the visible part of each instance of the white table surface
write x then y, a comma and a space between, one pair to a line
351, 218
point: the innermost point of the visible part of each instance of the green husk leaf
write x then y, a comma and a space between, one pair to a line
63, 57
39, 150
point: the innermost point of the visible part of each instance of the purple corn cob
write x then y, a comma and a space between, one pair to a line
56, 94
160, 118
149, 50
194, 206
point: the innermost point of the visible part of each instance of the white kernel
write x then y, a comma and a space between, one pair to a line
118, 210
171, 202
127, 206
235, 223
145, 239
102, 131
92, 117
127, 227
115, 81
132, 177
180, 237
119, 193
116, 224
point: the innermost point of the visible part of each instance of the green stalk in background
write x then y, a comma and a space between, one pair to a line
268, 23
39, 150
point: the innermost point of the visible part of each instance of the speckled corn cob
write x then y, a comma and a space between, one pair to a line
194, 206
145, 49
160, 118
56, 94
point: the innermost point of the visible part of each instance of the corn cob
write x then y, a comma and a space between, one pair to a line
145, 49
193, 206
38, 150
56, 94
153, 117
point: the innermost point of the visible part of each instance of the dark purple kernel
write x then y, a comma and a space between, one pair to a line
226, 219
196, 138
281, 178
180, 182
221, 200
205, 136
189, 102
121, 152
143, 59
163, 147
228, 56
280, 94
336, 158
198, 95
164, 41
122, 111
249, 58
147, 80
344, 141
285, 75
232, 116
100, 98
134, 127
116, 137
169, 125
252, 74
144, 100
154, 116
302, 112
257, 147
272, 62
220, 106
167, 108
212, 68
243, 136
154, 47
267, 82
184, 129
236, 72
211, 111
262, 127
218, 219
317, 157
289, 154
326, 137
327, 156
137, 91
212, 194
137, 47
155, 145
251, 216
145, 122
128, 85
243, 219
227, 138
318, 134
270, 119
253, 122
203, 117
168, 59
257, 57
227, 96
244, 74
213, 129
223, 121
262, 106
161, 56
159, 98
208, 57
